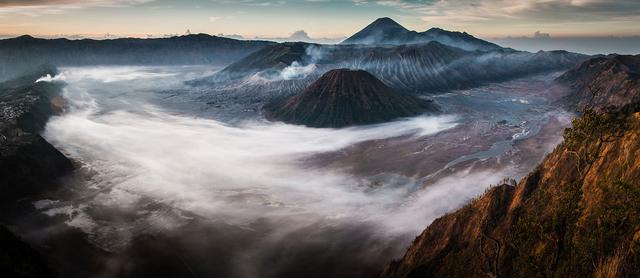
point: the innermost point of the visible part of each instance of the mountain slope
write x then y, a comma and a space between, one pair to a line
387, 31
28, 163
272, 58
434, 67
605, 81
344, 97
576, 215
458, 39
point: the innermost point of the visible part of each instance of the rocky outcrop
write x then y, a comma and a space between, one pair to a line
604, 82
576, 215
28, 163
344, 97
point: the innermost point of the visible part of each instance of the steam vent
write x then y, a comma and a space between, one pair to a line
344, 97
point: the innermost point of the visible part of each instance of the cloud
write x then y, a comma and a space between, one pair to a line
458, 11
300, 35
539, 35
231, 36
40, 7
297, 71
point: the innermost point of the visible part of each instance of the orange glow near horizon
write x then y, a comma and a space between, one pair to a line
279, 19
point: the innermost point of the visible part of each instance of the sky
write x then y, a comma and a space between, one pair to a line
490, 19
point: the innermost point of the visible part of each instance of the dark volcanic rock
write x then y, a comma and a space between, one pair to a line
17, 259
28, 163
344, 97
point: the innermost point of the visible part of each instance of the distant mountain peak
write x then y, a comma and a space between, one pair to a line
381, 31
25, 37
435, 29
385, 22
387, 31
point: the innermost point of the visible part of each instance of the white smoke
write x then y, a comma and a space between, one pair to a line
298, 70
110, 74
49, 78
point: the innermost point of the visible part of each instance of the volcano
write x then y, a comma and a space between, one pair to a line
386, 31
381, 31
344, 97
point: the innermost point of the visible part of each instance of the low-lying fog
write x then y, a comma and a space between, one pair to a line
153, 166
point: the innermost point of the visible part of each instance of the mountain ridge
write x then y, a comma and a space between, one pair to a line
20, 54
415, 68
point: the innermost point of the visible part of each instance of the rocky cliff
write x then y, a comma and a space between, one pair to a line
604, 82
576, 215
